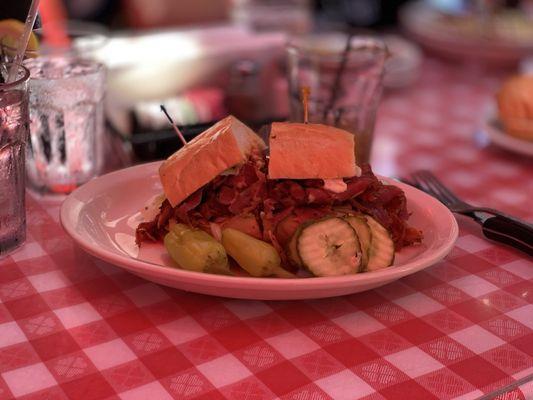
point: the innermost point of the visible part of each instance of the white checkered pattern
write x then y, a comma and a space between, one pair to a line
72, 327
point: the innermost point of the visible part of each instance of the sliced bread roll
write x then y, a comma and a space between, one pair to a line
310, 151
225, 145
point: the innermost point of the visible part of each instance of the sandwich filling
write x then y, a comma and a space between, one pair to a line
273, 209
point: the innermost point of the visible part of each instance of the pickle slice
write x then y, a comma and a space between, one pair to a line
360, 225
329, 247
381, 252
292, 249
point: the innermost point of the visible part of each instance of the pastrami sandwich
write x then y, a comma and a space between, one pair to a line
308, 198
318, 198
216, 176
226, 145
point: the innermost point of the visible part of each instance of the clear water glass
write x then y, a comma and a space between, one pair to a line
345, 83
66, 122
14, 124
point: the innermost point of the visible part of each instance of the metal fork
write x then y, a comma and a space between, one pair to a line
429, 183
496, 226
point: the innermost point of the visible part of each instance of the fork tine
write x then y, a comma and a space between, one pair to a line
429, 184
442, 188
420, 183
423, 184
421, 179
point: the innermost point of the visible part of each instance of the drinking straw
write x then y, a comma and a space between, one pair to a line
340, 72
23, 41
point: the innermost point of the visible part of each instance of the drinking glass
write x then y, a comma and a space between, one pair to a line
66, 122
14, 123
345, 78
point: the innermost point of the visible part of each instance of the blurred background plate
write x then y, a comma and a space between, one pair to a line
200, 74
501, 38
494, 130
159, 64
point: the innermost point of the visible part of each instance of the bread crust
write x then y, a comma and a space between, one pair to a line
227, 143
310, 151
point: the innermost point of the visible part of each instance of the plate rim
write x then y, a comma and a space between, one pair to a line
141, 267
410, 17
504, 140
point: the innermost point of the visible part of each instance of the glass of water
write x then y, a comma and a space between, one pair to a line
345, 78
66, 122
14, 123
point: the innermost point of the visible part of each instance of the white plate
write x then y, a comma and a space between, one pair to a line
420, 21
101, 216
499, 137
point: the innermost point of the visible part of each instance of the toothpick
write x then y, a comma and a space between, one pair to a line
176, 129
305, 91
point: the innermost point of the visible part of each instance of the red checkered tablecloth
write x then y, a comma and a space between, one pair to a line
72, 327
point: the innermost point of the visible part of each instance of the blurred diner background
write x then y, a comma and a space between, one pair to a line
205, 59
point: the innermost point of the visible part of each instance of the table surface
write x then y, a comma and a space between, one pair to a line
73, 327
